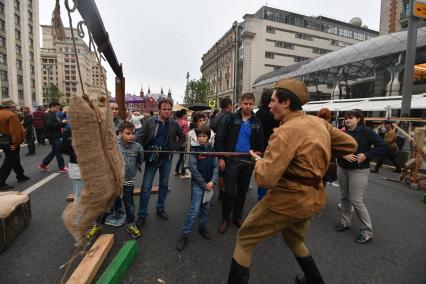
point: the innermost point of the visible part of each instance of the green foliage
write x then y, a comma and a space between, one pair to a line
198, 92
52, 93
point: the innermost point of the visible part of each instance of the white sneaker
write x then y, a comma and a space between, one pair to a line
185, 176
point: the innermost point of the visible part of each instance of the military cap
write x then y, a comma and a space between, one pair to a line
295, 86
7, 103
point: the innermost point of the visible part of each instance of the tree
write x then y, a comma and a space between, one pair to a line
198, 91
52, 94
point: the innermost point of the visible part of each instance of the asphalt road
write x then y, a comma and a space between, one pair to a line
396, 255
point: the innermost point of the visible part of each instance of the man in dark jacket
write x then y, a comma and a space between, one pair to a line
10, 127
159, 132
28, 125
218, 123
38, 123
242, 133
53, 132
268, 125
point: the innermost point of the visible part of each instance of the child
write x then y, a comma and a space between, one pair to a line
133, 156
204, 172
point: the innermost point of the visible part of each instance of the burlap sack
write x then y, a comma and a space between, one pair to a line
100, 162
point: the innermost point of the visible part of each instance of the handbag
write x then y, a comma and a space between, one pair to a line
5, 141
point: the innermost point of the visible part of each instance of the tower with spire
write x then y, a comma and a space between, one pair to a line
141, 93
169, 94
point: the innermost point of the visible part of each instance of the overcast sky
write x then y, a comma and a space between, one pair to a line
159, 41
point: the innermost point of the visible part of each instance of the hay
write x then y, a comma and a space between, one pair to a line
100, 162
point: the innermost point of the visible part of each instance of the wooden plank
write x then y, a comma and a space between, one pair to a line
70, 197
116, 271
89, 266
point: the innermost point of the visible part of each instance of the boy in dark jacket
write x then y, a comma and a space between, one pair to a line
204, 172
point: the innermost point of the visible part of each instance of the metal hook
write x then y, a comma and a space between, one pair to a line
68, 6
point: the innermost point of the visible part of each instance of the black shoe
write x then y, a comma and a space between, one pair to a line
342, 228
163, 215
238, 222
205, 233
362, 239
140, 222
5, 186
220, 197
22, 178
223, 227
310, 271
238, 274
183, 241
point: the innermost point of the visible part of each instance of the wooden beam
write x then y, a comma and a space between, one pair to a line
137, 191
89, 266
116, 271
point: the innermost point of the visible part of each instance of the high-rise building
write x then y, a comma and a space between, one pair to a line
59, 66
20, 51
393, 15
272, 39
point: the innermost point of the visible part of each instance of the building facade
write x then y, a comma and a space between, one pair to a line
272, 39
59, 67
393, 15
146, 103
20, 52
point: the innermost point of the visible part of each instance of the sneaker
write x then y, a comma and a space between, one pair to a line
140, 222
44, 168
134, 231
63, 170
341, 228
112, 220
185, 176
362, 239
183, 241
94, 232
177, 173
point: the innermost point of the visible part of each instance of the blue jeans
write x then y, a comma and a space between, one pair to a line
54, 142
164, 167
129, 205
261, 192
180, 167
198, 209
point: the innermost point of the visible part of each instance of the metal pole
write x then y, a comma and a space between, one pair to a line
410, 58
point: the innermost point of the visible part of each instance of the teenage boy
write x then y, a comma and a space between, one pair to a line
204, 173
133, 156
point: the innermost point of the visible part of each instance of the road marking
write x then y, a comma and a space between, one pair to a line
40, 183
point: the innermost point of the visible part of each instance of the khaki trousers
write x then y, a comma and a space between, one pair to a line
263, 223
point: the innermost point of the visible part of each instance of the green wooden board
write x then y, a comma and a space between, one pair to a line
116, 271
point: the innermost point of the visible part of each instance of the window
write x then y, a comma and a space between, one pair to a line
359, 36
2, 25
334, 42
1, 9
30, 30
20, 80
282, 44
5, 92
17, 20
2, 41
270, 30
19, 64
17, 4
2, 58
304, 36
33, 83
30, 4
21, 95
3, 75
269, 55
345, 32
31, 42
32, 70
320, 50
31, 56
18, 50
30, 16
300, 58
17, 35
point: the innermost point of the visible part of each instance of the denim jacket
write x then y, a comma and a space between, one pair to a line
133, 157
203, 172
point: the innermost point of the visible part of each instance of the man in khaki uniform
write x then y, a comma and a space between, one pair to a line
292, 167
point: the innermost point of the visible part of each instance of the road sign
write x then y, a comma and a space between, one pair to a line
212, 103
419, 9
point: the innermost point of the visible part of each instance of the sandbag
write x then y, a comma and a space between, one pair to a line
101, 164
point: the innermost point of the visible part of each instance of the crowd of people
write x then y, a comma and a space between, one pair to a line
292, 157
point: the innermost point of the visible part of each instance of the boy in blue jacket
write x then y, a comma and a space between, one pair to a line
204, 173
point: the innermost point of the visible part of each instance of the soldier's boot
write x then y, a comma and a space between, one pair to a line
238, 274
311, 274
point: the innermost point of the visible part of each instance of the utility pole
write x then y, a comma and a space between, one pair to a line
410, 59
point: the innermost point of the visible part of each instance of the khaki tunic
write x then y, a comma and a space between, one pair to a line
300, 147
